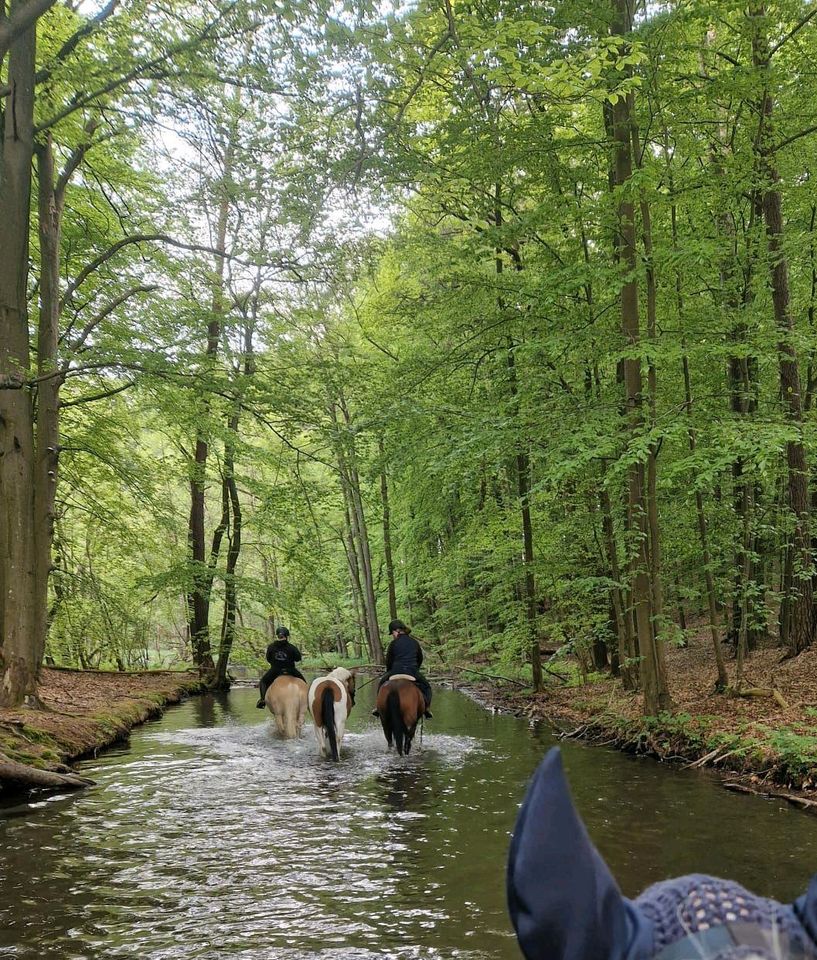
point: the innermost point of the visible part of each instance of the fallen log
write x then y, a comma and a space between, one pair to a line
21, 775
804, 804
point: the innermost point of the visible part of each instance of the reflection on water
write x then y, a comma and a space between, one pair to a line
209, 837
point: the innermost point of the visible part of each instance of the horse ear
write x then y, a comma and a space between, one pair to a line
806, 909
563, 901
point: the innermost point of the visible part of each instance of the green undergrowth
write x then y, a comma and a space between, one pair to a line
783, 756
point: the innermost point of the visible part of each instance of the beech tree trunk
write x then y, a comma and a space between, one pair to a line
350, 484
19, 619
387, 553
653, 678
198, 598
801, 612
522, 473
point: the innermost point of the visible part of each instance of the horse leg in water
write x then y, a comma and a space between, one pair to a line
413, 708
386, 719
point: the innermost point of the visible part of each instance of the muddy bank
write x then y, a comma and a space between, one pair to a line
82, 712
765, 742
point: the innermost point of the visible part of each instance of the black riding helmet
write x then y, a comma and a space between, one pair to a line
282, 633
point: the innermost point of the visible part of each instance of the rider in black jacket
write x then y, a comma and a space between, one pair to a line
282, 657
405, 655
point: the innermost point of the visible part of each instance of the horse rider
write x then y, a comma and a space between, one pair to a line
282, 657
405, 655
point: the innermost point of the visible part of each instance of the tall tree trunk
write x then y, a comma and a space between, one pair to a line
653, 679
703, 531
350, 484
522, 472
522, 465
624, 623
233, 553
387, 553
19, 621
198, 598
354, 576
50, 207
232, 501
801, 615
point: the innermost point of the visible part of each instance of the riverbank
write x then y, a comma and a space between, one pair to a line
764, 741
82, 712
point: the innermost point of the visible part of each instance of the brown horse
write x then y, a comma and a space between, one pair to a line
400, 704
286, 700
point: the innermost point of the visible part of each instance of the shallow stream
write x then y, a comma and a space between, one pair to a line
208, 837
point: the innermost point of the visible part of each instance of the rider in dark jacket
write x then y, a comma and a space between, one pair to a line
282, 657
405, 655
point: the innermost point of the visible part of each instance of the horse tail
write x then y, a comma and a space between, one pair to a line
395, 712
291, 719
328, 720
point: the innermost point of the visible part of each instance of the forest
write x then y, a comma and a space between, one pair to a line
496, 316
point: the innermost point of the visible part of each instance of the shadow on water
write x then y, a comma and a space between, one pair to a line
209, 837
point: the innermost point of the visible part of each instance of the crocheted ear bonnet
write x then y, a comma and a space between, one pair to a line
565, 904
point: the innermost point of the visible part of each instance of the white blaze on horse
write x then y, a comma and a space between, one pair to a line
400, 704
286, 701
331, 699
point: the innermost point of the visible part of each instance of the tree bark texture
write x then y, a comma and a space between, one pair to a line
653, 680
18, 572
801, 614
198, 598
387, 551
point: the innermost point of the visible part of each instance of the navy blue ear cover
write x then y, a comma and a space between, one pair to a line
805, 908
563, 900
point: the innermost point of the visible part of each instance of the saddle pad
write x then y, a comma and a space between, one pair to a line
403, 676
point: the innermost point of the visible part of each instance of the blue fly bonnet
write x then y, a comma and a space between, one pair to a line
565, 904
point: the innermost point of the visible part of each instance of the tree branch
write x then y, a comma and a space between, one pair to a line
78, 343
98, 396
89, 27
794, 30
111, 252
81, 100
23, 15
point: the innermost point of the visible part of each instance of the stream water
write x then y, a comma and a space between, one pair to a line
208, 837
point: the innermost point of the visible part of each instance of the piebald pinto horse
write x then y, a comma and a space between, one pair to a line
331, 699
400, 704
286, 701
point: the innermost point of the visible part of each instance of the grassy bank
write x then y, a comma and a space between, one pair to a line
82, 712
765, 740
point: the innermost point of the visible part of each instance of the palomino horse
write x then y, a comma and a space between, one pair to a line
286, 701
331, 699
400, 704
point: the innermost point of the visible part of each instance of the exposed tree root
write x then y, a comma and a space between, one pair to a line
19, 775
802, 802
